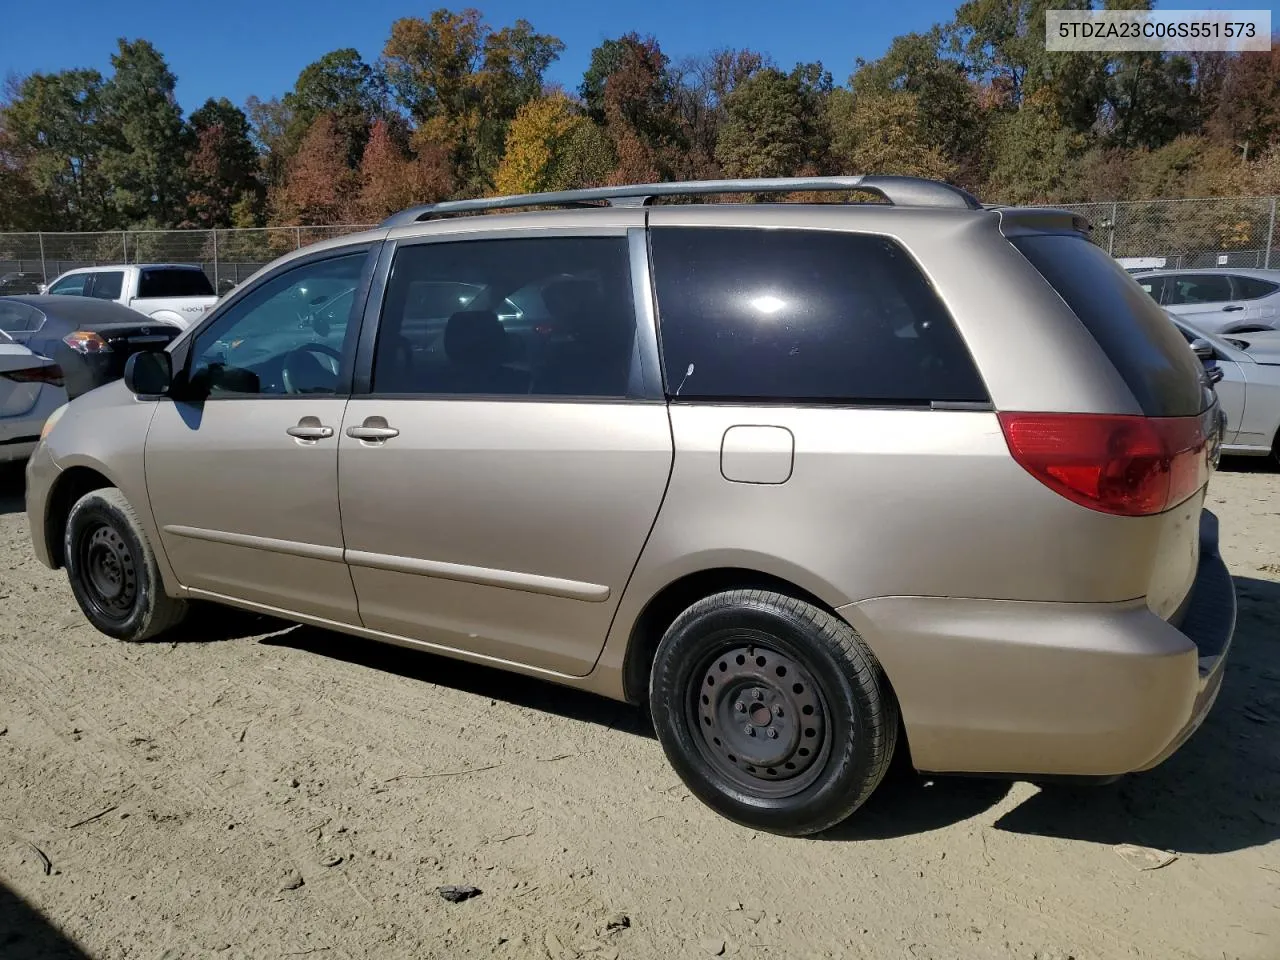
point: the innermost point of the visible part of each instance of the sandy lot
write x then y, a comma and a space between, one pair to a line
260, 791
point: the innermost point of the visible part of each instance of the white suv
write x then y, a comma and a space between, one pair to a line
1218, 300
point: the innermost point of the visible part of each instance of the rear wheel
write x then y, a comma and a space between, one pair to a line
112, 569
772, 711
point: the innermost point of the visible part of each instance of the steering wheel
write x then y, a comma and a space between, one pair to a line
302, 370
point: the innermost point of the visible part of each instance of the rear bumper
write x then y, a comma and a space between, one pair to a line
1061, 689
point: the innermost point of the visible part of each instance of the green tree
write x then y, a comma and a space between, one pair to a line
587, 159
769, 128
537, 142
54, 145
144, 162
1033, 156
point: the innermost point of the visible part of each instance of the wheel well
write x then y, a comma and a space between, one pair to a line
678, 596
70, 486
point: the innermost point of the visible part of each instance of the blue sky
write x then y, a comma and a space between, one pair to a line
235, 48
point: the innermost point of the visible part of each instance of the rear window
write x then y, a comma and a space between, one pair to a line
174, 283
802, 315
1138, 338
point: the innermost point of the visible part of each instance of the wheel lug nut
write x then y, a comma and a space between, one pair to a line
740, 707
749, 730
757, 694
773, 734
777, 711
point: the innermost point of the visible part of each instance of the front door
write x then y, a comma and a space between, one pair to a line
243, 483
500, 478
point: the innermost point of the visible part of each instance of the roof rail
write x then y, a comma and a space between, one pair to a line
899, 191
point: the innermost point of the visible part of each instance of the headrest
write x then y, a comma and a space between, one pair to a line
475, 338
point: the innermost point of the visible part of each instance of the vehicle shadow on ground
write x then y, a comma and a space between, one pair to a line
473, 678
26, 935
1221, 791
13, 487
1246, 465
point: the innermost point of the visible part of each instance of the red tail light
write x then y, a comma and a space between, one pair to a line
86, 341
52, 373
1131, 466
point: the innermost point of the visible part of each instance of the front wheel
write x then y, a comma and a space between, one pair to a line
772, 711
113, 571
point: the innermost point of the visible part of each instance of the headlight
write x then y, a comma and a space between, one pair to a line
53, 419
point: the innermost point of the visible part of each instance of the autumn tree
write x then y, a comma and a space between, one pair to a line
880, 133
537, 143
223, 167
318, 186
144, 161
462, 84
1247, 111
342, 85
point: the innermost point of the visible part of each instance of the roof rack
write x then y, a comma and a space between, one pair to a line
899, 191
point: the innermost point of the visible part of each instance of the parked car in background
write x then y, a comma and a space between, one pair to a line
1249, 389
172, 292
786, 472
30, 389
1218, 300
73, 346
11, 283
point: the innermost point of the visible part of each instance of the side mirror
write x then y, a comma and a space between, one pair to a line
1203, 349
149, 374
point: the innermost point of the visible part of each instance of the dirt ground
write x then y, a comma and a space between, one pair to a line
260, 791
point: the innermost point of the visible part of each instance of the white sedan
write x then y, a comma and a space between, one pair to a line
31, 388
1249, 390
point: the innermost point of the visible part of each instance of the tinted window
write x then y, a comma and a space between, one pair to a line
1196, 288
1152, 287
285, 336
542, 317
1136, 335
106, 286
1251, 288
174, 283
72, 286
19, 318
803, 315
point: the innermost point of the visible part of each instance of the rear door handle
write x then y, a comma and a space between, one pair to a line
374, 429
1231, 309
310, 428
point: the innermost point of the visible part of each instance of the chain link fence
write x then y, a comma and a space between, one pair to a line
227, 256
1185, 234
1232, 231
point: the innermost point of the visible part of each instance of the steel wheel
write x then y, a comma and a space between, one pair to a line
762, 719
110, 574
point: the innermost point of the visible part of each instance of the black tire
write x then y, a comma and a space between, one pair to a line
821, 691
112, 569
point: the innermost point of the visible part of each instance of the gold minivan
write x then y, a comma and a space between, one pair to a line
813, 481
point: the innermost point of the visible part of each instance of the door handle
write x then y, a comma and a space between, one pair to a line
1231, 309
374, 429
310, 428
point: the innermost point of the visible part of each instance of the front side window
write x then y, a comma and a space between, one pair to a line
286, 336
1192, 288
106, 286
1251, 288
799, 315
72, 286
550, 317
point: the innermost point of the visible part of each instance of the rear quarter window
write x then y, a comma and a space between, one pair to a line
1251, 288
1137, 336
803, 316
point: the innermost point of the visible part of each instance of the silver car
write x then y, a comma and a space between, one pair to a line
814, 482
1222, 300
1249, 389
